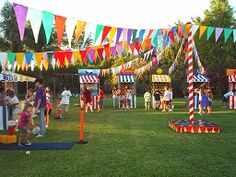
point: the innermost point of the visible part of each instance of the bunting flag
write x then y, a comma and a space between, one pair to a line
21, 13
70, 28
19, 60
107, 50
28, 57
227, 32
83, 54
140, 36
137, 46
53, 63
45, 64
134, 35
118, 34
120, 48
105, 32
132, 48
154, 38
38, 57
76, 55
35, 18
79, 28
50, 56
125, 31
60, 26
3, 60
210, 30
202, 31
11, 57
218, 32
88, 33
68, 56
113, 51
194, 29
129, 35
112, 34
48, 20
99, 29
100, 53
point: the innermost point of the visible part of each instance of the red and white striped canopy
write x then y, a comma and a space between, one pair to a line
232, 78
89, 79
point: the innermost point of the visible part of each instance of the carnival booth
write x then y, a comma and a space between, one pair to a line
158, 83
231, 73
126, 79
197, 81
90, 79
8, 81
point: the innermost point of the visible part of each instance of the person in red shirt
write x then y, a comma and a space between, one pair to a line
100, 99
87, 99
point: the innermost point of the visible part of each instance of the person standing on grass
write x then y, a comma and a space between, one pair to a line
100, 99
114, 96
65, 101
48, 105
40, 104
157, 97
147, 99
87, 99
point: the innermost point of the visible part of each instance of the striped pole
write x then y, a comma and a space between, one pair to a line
190, 76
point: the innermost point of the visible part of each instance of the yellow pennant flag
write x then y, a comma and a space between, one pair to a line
112, 34
19, 60
45, 64
76, 55
143, 45
202, 30
126, 47
187, 28
38, 57
78, 30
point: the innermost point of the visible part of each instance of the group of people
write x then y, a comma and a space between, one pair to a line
122, 96
160, 98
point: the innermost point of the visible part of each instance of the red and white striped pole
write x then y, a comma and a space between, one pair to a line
190, 76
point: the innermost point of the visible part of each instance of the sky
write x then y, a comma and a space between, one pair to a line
138, 14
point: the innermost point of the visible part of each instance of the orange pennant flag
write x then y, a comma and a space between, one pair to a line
112, 34
38, 57
66, 62
79, 29
187, 28
149, 33
60, 26
126, 47
202, 30
19, 60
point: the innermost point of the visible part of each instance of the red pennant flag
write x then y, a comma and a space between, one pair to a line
83, 54
107, 50
148, 43
171, 36
68, 55
60, 26
105, 32
137, 46
100, 52
61, 58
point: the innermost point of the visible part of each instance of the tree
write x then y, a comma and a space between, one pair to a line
217, 56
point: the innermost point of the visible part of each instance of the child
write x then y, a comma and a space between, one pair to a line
100, 99
147, 100
210, 98
58, 109
24, 123
48, 105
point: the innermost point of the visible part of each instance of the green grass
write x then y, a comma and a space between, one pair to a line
130, 143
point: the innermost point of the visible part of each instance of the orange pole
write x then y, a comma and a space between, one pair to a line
81, 132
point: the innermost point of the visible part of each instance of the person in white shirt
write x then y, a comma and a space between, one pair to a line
226, 97
65, 101
147, 99
14, 105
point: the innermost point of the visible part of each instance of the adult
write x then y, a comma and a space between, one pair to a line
147, 100
157, 98
14, 105
48, 109
87, 99
40, 104
100, 99
114, 96
65, 101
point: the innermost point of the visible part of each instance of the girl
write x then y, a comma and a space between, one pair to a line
210, 98
48, 105
24, 123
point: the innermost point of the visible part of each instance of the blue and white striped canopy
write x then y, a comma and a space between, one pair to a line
126, 79
200, 78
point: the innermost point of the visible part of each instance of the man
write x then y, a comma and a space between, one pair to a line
65, 100
40, 104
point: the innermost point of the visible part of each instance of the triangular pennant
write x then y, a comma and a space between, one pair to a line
105, 32
60, 27
129, 35
21, 13
132, 48
11, 57
179, 31
53, 63
134, 35
66, 62
3, 59
38, 56
83, 54
210, 31
107, 50
48, 19
137, 46
140, 36
61, 58
227, 33
100, 53
218, 32
99, 29
149, 34
194, 29
187, 28
49, 56
202, 31
113, 51
76, 55
154, 37
68, 56
125, 35
70, 28
126, 47
112, 34
118, 34
88, 33
28, 57
92, 54
45, 64
120, 48
234, 34
19, 59
35, 18
32, 65
79, 28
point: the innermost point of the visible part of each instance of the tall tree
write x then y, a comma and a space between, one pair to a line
217, 56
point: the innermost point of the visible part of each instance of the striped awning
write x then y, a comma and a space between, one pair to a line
89, 79
14, 77
126, 79
161, 78
200, 78
232, 78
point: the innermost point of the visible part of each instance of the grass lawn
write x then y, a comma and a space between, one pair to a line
130, 143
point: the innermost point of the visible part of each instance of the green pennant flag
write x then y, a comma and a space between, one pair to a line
99, 29
48, 19
227, 33
11, 57
134, 34
209, 31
